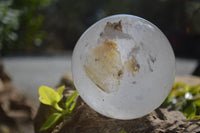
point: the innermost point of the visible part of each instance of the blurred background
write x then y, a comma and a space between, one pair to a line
37, 36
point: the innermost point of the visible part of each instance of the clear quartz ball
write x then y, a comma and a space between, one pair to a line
123, 67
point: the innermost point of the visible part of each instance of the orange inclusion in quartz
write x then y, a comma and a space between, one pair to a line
105, 66
130, 66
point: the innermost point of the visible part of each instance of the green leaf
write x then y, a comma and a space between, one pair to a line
197, 117
52, 119
48, 96
122, 131
187, 88
195, 90
72, 106
60, 90
178, 100
70, 99
190, 111
197, 102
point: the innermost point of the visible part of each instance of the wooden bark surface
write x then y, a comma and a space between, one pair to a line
86, 120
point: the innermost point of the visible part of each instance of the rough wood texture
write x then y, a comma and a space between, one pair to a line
86, 120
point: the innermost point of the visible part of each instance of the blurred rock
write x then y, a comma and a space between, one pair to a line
66, 80
3, 76
7, 124
189, 79
197, 70
1, 85
16, 111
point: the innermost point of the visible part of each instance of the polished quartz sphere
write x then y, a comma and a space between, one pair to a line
123, 67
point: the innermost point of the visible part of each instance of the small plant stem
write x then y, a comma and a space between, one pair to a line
57, 107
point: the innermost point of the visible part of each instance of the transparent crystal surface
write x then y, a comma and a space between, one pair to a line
123, 67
